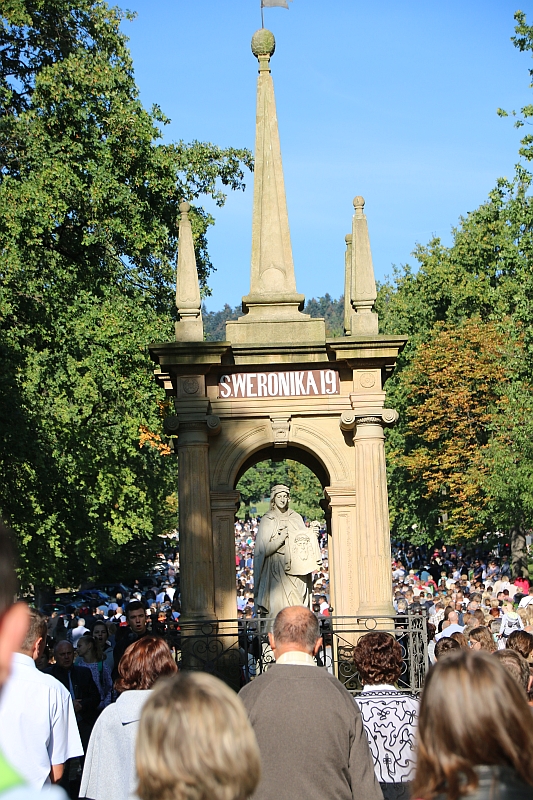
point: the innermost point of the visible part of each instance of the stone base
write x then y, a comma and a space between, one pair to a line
279, 328
362, 323
190, 329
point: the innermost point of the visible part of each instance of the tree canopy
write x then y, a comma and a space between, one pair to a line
460, 460
306, 491
89, 198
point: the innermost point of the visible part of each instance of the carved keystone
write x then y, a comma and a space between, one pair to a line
280, 430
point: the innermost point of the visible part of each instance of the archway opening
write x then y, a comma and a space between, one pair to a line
306, 483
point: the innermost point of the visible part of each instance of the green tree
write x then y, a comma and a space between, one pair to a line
89, 199
479, 288
306, 491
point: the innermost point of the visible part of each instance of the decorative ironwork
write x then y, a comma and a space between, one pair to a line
238, 650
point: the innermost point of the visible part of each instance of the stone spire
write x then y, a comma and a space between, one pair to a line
190, 327
348, 285
363, 318
273, 296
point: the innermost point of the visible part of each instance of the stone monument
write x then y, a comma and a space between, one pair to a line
278, 386
286, 553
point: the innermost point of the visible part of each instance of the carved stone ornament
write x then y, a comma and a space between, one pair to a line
171, 425
390, 416
280, 430
213, 425
347, 420
367, 380
190, 385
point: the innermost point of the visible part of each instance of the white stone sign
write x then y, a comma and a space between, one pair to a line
305, 383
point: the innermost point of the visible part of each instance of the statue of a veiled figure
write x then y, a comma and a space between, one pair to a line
286, 553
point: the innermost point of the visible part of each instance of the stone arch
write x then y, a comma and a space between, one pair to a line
293, 452
307, 444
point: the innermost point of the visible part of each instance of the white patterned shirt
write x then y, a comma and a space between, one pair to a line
390, 719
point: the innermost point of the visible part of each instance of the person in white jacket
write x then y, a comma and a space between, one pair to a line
115, 730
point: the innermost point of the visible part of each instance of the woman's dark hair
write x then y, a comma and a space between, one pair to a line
521, 641
92, 641
472, 713
143, 663
445, 645
378, 658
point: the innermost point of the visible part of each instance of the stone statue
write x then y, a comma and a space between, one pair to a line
286, 553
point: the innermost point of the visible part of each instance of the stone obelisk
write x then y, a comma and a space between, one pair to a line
272, 308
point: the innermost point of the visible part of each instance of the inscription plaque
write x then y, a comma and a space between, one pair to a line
304, 383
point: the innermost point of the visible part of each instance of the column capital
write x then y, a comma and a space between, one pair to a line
225, 501
192, 421
340, 495
350, 420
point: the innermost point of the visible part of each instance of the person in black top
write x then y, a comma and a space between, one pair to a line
137, 628
79, 681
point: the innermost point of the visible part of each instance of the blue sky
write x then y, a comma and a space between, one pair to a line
392, 100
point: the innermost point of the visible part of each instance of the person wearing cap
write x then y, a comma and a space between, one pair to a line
286, 553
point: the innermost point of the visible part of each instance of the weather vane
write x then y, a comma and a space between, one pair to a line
272, 4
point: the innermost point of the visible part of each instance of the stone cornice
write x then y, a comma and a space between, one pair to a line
175, 354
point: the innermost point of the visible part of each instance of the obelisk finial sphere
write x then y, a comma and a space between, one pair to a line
359, 202
263, 43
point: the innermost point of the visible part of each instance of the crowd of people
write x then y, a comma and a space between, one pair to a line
471, 600
94, 702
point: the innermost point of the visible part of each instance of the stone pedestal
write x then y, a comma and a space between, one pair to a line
372, 552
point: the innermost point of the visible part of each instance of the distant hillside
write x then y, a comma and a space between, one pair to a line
331, 310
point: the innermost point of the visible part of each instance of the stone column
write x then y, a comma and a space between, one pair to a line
196, 540
372, 556
343, 581
223, 507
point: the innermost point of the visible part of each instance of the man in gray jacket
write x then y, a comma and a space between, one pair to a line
284, 704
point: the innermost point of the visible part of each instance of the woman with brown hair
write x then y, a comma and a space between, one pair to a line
475, 735
481, 639
195, 742
461, 638
522, 642
389, 716
109, 770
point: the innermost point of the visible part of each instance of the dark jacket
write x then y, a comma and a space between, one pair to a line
498, 783
125, 637
85, 690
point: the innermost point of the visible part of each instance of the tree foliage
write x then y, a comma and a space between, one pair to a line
460, 461
89, 198
306, 491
